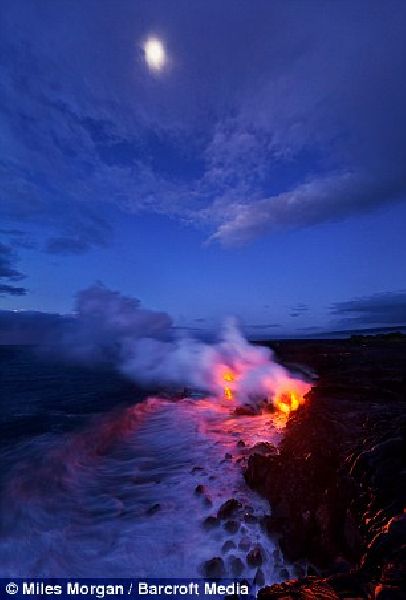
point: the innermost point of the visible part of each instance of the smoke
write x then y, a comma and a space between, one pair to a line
144, 345
106, 323
193, 363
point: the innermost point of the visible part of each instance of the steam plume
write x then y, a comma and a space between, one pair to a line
142, 344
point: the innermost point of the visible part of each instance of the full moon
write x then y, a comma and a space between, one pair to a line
154, 54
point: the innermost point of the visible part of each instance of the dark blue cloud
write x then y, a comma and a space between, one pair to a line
378, 309
298, 309
283, 116
11, 290
28, 328
64, 245
102, 322
9, 273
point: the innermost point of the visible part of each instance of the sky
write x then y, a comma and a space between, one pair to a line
259, 172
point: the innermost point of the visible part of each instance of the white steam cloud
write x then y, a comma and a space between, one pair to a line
143, 345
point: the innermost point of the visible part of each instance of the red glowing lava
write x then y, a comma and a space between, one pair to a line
228, 378
288, 401
254, 386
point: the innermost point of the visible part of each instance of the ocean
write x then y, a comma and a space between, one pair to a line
100, 479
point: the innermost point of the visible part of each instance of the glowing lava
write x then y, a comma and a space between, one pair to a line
228, 377
288, 401
253, 388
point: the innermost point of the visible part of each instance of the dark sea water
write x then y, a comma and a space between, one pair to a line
40, 395
97, 479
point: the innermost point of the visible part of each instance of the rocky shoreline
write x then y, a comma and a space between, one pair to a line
337, 483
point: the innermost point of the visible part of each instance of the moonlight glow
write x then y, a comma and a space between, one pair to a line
154, 54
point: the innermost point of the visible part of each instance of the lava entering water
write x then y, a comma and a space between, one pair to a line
228, 377
288, 401
142, 491
244, 385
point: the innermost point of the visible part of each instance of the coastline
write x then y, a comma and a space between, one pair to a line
336, 486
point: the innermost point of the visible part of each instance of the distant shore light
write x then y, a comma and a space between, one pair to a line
155, 56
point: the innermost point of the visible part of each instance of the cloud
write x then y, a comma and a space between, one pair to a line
298, 310
264, 326
379, 309
238, 138
30, 327
64, 245
18, 238
318, 201
142, 343
106, 321
102, 324
9, 273
11, 290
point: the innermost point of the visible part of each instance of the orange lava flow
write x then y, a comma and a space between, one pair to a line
228, 393
288, 401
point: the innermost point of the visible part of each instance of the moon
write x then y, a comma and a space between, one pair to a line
155, 55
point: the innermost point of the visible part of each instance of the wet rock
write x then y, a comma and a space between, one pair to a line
311, 571
246, 410
210, 522
240, 444
264, 448
259, 578
300, 571
303, 591
386, 592
251, 519
196, 470
200, 489
254, 556
341, 565
228, 508
236, 565
387, 543
244, 543
228, 545
153, 509
277, 556
337, 484
267, 523
214, 568
231, 526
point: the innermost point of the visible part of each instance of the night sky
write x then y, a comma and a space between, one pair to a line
258, 172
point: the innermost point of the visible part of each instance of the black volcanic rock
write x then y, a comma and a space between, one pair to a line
337, 486
236, 565
211, 522
259, 578
153, 509
214, 568
244, 543
228, 545
264, 448
231, 526
228, 508
255, 557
